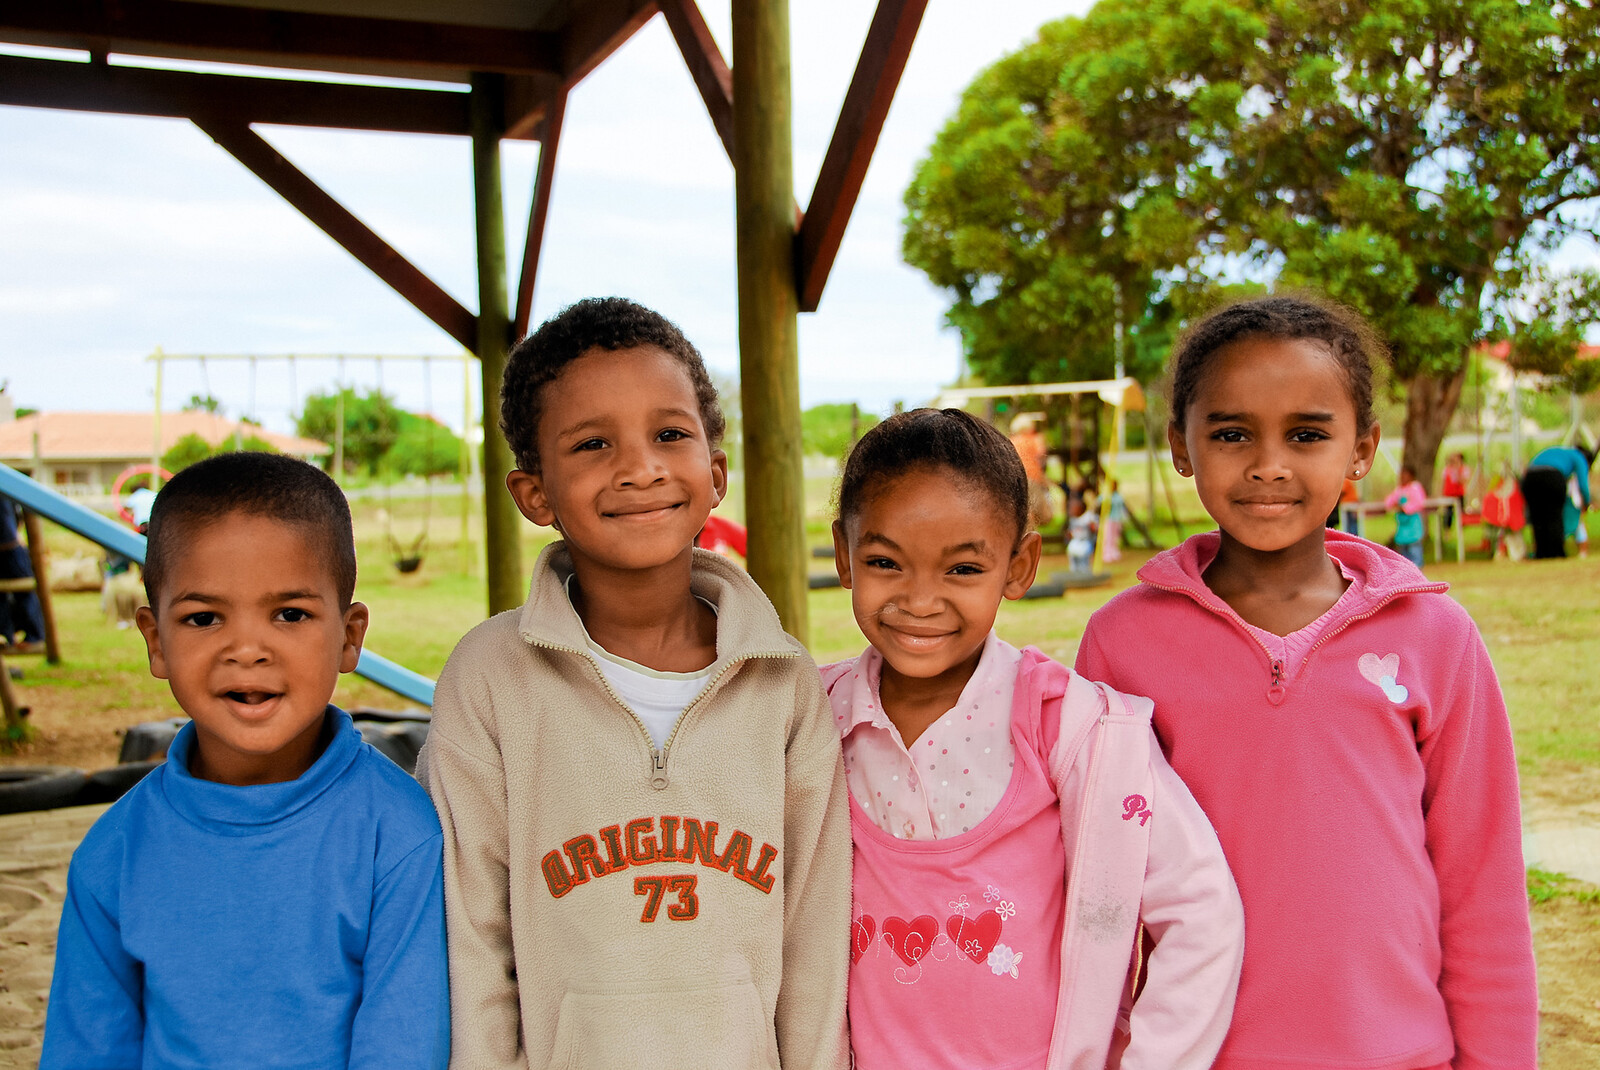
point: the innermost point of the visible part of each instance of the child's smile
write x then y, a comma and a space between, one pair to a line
928, 557
1270, 437
250, 635
627, 473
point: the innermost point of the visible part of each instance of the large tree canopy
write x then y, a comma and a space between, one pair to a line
1418, 159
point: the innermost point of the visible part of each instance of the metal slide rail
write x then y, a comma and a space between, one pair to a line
106, 532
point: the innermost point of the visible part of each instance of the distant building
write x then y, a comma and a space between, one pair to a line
80, 454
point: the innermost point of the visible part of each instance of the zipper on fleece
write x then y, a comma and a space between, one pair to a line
1277, 688
656, 767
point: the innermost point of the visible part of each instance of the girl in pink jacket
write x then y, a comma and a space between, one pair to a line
1336, 716
1018, 838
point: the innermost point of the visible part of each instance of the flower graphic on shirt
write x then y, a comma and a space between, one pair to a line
972, 948
992, 894
1006, 909
959, 905
1003, 960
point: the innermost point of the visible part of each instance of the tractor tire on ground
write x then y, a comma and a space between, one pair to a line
39, 787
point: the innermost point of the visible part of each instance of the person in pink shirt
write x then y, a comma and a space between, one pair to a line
1026, 862
1337, 717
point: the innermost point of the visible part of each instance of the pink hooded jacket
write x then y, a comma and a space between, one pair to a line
1166, 873
1367, 802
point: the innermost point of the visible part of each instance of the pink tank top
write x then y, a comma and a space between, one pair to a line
956, 943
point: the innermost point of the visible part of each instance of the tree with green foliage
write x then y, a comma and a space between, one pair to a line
1416, 159
424, 447
830, 429
188, 450
1059, 203
371, 425
202, 403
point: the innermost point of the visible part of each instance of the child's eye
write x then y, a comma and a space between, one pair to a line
881, 562
672, 434
967, 570
589, 444
292, 615
1229, 434
203, 619
1307, 434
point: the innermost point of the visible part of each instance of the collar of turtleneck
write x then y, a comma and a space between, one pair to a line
257, 808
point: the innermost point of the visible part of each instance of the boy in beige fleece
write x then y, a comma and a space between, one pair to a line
647, 846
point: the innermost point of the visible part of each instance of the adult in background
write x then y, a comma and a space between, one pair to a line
1553, 511
19, 610
1031, 447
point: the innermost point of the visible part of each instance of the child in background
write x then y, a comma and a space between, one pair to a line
1336, 716
1453, 484
1014, 824
270, 895
1081, 524
1116, 517
647, 856
1407, 499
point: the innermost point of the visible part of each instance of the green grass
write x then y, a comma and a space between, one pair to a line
1544, 886
1539, 619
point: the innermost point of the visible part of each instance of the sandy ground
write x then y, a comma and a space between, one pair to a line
35, 849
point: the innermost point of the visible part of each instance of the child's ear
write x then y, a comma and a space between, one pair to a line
1366, 449
145, 618
1024, 565
355, 632
527, 490
719, 475
1180, 451
841, 554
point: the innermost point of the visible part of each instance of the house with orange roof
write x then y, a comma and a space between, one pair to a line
80, 454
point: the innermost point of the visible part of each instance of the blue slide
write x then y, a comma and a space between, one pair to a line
130, 544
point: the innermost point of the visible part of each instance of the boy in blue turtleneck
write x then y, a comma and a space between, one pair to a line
270, 896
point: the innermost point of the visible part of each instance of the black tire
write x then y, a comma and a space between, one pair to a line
398, 741
149, 741
109, 785
39, 787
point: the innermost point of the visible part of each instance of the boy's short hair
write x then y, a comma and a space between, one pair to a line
270, 485
609, 323
920, 439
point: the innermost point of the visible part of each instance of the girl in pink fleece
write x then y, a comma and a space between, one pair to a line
1336, 716
1016, 828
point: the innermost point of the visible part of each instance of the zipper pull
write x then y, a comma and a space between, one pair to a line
1275, 693
659, 770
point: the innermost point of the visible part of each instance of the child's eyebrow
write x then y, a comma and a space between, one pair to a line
1244, 417
217, 599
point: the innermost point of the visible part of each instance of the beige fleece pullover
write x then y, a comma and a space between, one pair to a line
613, 906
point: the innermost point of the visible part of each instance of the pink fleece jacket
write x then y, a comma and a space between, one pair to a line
1366, 798
1138, 852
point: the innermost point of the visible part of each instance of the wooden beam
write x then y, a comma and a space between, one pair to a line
706, 65
507, 586
555, 112
769, 353
342, 226
597, 29
45, 83
223, 30
844, 168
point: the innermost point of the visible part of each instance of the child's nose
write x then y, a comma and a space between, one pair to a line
1270, 464
247, 646
638, 466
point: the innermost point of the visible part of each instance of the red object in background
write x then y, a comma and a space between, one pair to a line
721, 534
1503, 506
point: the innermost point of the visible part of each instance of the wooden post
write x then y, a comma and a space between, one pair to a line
41, 582
769, 354
502, 522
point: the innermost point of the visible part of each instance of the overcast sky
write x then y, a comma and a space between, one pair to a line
119, 234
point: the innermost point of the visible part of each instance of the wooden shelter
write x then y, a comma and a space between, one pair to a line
519, 58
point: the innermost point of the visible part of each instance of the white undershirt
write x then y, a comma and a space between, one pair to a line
659, 698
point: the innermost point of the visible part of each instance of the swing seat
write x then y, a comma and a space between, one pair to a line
409, 563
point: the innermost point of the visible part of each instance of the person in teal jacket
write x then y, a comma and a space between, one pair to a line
1546, 487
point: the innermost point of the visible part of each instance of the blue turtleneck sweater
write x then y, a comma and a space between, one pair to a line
280, 925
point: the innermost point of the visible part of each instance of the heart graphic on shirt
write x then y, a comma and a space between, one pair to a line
1375, 668
975, 937
861, 934
910, 939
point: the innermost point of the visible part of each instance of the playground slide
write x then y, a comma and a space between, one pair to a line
130, 544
